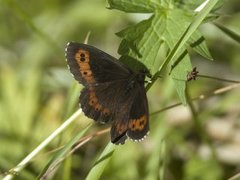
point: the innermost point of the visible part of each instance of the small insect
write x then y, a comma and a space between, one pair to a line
193, 74
112, 91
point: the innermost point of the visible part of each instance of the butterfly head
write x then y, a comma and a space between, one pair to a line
142, 74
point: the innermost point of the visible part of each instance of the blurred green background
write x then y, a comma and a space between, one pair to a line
35, 85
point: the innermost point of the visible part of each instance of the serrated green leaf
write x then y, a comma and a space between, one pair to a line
198, 43
165, 27
177, 21
135, 6
143, 41
189, 32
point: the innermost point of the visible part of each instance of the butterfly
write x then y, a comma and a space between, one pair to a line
112, 91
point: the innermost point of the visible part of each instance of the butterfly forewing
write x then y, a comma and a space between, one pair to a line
90, 65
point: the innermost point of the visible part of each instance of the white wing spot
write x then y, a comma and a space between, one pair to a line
138, 140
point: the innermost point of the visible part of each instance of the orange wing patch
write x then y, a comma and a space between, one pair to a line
121, 128
106, 112
137, 124
93, 101
82, 57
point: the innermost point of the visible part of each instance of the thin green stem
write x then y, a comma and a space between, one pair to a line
30, 156
201, 97
219, 79
234, 35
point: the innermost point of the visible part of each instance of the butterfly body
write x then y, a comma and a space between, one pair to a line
112, 92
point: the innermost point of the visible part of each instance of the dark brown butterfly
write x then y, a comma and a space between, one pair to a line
112, 92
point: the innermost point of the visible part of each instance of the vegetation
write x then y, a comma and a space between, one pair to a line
194, 124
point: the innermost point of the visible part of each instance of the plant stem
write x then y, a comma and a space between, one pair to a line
219, 79
30, 156
201, 97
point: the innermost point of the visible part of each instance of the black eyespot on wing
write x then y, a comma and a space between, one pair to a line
78, 62
90, 65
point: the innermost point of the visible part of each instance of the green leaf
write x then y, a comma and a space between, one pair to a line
145, 39
178, 47
135, 6
179, 73
182, 66
198, 43
101, 163
60, 155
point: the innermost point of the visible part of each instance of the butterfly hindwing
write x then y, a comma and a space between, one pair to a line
132, 118
92, 107
105, 102
138, 123
90, 65
120, 127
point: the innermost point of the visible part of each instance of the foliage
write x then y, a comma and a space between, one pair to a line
37, 92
